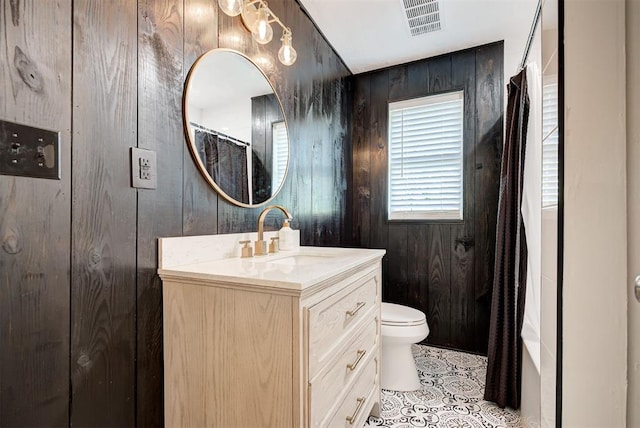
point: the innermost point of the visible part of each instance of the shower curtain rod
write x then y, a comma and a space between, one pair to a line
220, 134
532, 32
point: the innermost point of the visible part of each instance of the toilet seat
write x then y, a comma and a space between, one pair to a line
398, 315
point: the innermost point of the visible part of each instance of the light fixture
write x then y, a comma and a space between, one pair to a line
287, 54
231, 7
262, 31
257, 17
249, 14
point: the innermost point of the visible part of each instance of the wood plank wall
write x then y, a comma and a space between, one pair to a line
80, 303
35, 231
265, 111
445, 269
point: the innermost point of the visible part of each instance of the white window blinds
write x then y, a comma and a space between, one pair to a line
280, 154
550, 145
425, 158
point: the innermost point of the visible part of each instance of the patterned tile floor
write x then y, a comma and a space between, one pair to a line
450, 397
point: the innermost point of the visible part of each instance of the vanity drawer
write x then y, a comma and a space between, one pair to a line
356, 405
331, 382
331, 320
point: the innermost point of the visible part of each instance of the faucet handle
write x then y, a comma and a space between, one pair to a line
247, 251
274, 246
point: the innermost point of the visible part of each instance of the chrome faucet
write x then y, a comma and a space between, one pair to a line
261, 244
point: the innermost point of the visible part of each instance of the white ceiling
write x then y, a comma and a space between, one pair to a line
373, 34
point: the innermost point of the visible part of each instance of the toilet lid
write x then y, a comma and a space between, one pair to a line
393, 314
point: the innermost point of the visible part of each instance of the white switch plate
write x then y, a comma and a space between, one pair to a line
144, 169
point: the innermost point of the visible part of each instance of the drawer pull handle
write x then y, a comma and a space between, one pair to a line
359, 306
353, 365
351, 419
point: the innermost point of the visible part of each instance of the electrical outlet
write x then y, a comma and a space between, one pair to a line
143, 169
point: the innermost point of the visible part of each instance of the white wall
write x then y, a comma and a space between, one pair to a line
548, 326
549, 263
530, 405
595, 232
633, 192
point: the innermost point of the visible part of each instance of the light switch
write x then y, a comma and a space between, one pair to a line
28, 151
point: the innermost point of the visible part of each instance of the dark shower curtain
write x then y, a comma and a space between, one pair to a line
510, 270
226, 163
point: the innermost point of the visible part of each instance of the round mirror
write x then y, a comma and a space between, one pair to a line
235, 126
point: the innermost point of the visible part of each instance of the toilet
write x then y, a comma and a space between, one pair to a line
401, 327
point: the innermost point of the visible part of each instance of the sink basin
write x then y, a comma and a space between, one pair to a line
301, 260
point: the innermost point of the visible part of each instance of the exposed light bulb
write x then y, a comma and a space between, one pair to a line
231, 7
262, 31
257, 18
287, 54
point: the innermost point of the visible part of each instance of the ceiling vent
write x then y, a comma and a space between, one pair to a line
423, 16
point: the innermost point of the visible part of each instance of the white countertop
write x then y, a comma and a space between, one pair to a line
277, 270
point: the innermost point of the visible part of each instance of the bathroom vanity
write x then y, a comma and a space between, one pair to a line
290, 339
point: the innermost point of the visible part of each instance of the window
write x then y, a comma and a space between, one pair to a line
425, 158
280, 154
550, 144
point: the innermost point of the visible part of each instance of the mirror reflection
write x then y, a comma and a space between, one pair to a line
236, 127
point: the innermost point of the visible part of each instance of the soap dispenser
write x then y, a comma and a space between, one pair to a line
286, 237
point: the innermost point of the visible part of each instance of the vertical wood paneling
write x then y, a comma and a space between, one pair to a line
377, 137
103, 285
35, 89
343, 162
489, 131
160, 83
328, 166
233, 219
440, 256
418, 233
418, 76
396, 274
299, 175
463, 335
439, 263
320, 197
312, 92
325, 104
199, 203
440, 74
398, 83
303, 142
418, 267
431, 266
80, 304
361, 214
378, 147
286, 81
265, 112
320, 188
